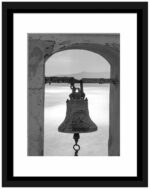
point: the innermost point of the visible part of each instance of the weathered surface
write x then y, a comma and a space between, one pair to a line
36, 86
41, 47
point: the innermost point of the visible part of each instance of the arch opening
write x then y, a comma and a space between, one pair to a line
78, 64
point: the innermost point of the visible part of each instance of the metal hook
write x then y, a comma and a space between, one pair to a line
76, 147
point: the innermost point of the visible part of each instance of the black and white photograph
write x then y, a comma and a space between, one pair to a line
79, 95
75, 94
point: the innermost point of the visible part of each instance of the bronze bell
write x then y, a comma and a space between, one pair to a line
77, 118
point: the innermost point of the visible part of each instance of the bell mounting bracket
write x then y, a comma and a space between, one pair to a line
72, 80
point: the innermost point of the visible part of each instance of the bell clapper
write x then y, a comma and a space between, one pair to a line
76, 147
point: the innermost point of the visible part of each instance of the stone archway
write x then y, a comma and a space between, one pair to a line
41, 47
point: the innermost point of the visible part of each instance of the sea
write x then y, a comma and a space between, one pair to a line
61, 144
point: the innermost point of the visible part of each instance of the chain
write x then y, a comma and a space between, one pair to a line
76, 147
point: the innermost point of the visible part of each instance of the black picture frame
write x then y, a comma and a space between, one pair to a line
10, 8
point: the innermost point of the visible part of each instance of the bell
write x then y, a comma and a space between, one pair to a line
77, 118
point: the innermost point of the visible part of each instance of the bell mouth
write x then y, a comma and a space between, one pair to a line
77, 130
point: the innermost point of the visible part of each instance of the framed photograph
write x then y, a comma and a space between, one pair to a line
75, 80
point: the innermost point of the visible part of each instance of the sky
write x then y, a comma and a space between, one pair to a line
75, 61
60, 144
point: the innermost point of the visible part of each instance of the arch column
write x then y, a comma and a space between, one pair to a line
114, 126
114, 114
36, 86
